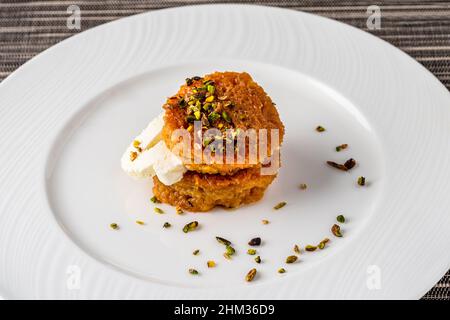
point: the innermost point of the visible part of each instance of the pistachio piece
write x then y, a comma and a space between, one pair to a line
223, 241
291, 259
250, 275
191, 226
255, 242
279, 205
336, 230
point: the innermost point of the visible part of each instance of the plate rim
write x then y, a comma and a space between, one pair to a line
24, 67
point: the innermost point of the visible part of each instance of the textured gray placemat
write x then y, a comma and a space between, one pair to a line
421, 29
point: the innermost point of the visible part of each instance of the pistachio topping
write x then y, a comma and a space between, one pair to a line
191, 226
281, 270
178, 210
297, 249
154, 199
250, 275
140, 222
258, 259
251, 252
226, 117
166, 225
196, 252
265, 221
336, 230
291, 259
280, 205
340, 218
310, 248
303, 186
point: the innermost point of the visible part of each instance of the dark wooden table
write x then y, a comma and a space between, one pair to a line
420, 28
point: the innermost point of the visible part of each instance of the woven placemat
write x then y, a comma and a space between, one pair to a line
420, 29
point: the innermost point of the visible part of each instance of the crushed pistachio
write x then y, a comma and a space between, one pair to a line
210, 89
178, 210
211, 264
280, 205
297, 249
303, 186
213, 116
226, 117
340, 218
281, 270
341, 147
166, 225
310, 248
227, 256
258, 259
140, 222
158, 210
223, 241
230, 250
320, 129
255, 242
193, 271
291, 259
154, 199
361, 181
336, 230
196, 252
114, 226
133, 155
322, 243
250, 275
210, 99
349, 164
136, 143
264, 221
191, 226
251, 252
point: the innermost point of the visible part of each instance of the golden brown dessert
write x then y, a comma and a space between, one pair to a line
223, 100
229, 103
202, 192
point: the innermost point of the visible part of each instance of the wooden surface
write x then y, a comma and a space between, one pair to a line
420, 28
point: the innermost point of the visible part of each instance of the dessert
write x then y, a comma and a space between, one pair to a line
216, 144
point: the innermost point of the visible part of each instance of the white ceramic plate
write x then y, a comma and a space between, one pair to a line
68, 114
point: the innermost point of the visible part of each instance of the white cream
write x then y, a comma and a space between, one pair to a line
155, 158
